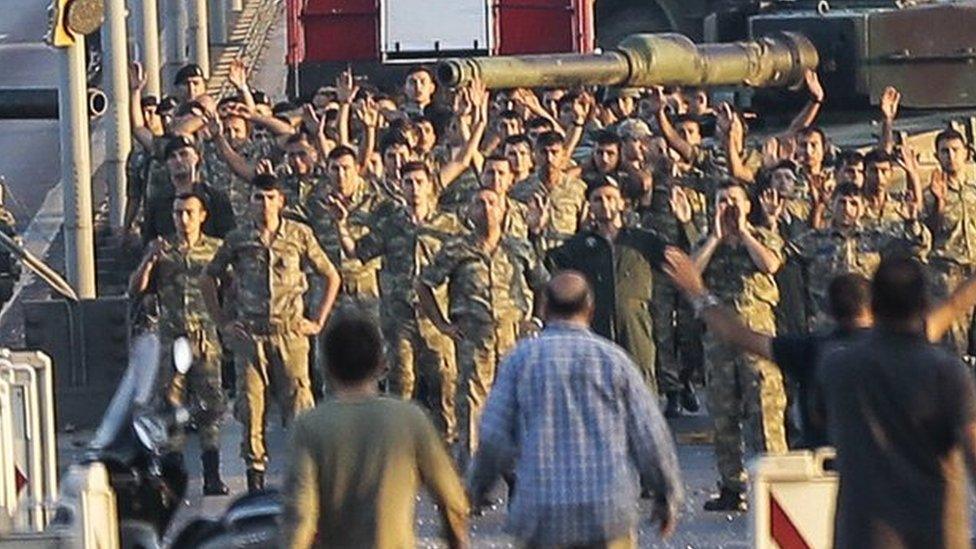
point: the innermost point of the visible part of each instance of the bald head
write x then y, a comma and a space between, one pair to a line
569, 297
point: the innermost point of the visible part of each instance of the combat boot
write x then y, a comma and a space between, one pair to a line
212, 484
728, 500
673, 407
255, 481
689, 400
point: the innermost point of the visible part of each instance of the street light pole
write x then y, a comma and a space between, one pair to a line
119, 136
174, 27
79, 249
150, 46
199, 31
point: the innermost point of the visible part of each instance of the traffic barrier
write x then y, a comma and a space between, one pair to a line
88, 501
28, 448
793, 500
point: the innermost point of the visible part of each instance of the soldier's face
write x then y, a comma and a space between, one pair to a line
188, 216
634, 149
427, 137
497, 176
734, 197
550, 156
419, 87
193, 87
520, 157
183, 162
301, 158
878, 174
623, 107
510, 126
952, 155
485, 210
344, 172
783, 181
810, 150
236, 129
606, 157
699, 103
606, 203
417, 188
266, 205
394, 158
853, 173
848, 210
691, 132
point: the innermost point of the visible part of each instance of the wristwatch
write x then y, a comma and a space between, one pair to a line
704, 301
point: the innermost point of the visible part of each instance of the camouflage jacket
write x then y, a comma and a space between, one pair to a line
735, 279
269, 280
483, 287
406, 248
454, 198
954, 229
218, 174
176, 277
660, 217
567, 207
358, 278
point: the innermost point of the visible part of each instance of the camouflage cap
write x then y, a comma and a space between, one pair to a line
633, 128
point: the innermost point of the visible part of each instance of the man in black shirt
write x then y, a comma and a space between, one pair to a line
183, 164
798, 355
618, 262
902, 414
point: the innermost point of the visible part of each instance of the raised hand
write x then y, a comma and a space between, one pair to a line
890, 98
137, 76
770, 152
812, 82
264, 167
346, 87
772, 203
336, 208
537, 217
237, 75
680, 204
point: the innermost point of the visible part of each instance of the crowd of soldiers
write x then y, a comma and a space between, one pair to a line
441, 213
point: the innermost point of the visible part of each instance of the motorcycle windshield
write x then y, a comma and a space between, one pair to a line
134, 391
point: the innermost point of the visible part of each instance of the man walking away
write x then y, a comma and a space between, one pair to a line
902, 414
571, 413
358, 458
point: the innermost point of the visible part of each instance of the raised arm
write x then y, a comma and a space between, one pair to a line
237, 76
656, 103
237, 163
479, 98
890, 98
809, 113
137, 82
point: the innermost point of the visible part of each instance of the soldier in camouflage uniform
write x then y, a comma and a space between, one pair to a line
408, 237
563, 195
171, 269
884, 205
348, 190
268, 330
303, 173
847, 246
950, 213
218, 173
738, 262
489, 280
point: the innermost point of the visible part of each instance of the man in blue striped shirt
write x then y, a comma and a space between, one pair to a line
570, 413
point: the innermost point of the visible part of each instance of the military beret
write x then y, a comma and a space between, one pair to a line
187, 72
176, 143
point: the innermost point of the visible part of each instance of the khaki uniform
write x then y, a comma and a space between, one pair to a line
183, 313
269, 285
567, 207
827, 253
677, 334
887, 212
953, 256
417, 348
741, 386
488, 296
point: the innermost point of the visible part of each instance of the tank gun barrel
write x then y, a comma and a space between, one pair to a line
646, 60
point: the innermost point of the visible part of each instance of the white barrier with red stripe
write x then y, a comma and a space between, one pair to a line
793, 500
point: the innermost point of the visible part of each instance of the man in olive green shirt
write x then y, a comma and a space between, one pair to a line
357, 460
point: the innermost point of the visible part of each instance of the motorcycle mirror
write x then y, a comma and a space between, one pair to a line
182, 355
151, 433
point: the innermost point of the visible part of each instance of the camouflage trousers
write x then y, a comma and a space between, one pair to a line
199, 389
946, 277
420, 355
677, 335
743, 389
275, 364
479, 352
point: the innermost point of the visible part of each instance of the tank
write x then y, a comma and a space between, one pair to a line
646, 60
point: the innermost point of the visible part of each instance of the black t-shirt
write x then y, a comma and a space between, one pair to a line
896, 409
797, 356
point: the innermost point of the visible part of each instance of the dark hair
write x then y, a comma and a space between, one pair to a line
260, 98
266, 182
682, 118
282, 107
849, 157
898, 289
176, 143
848, 189
538, 122
518, 139
415, 166
392, 139
495, 157
230, 99
605, 137
547, 139
877, 157
598, 182
848, 295
948, 135
568, 304
353, 348
340, 151
810, 130
509, 115
421, 68
186, 196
